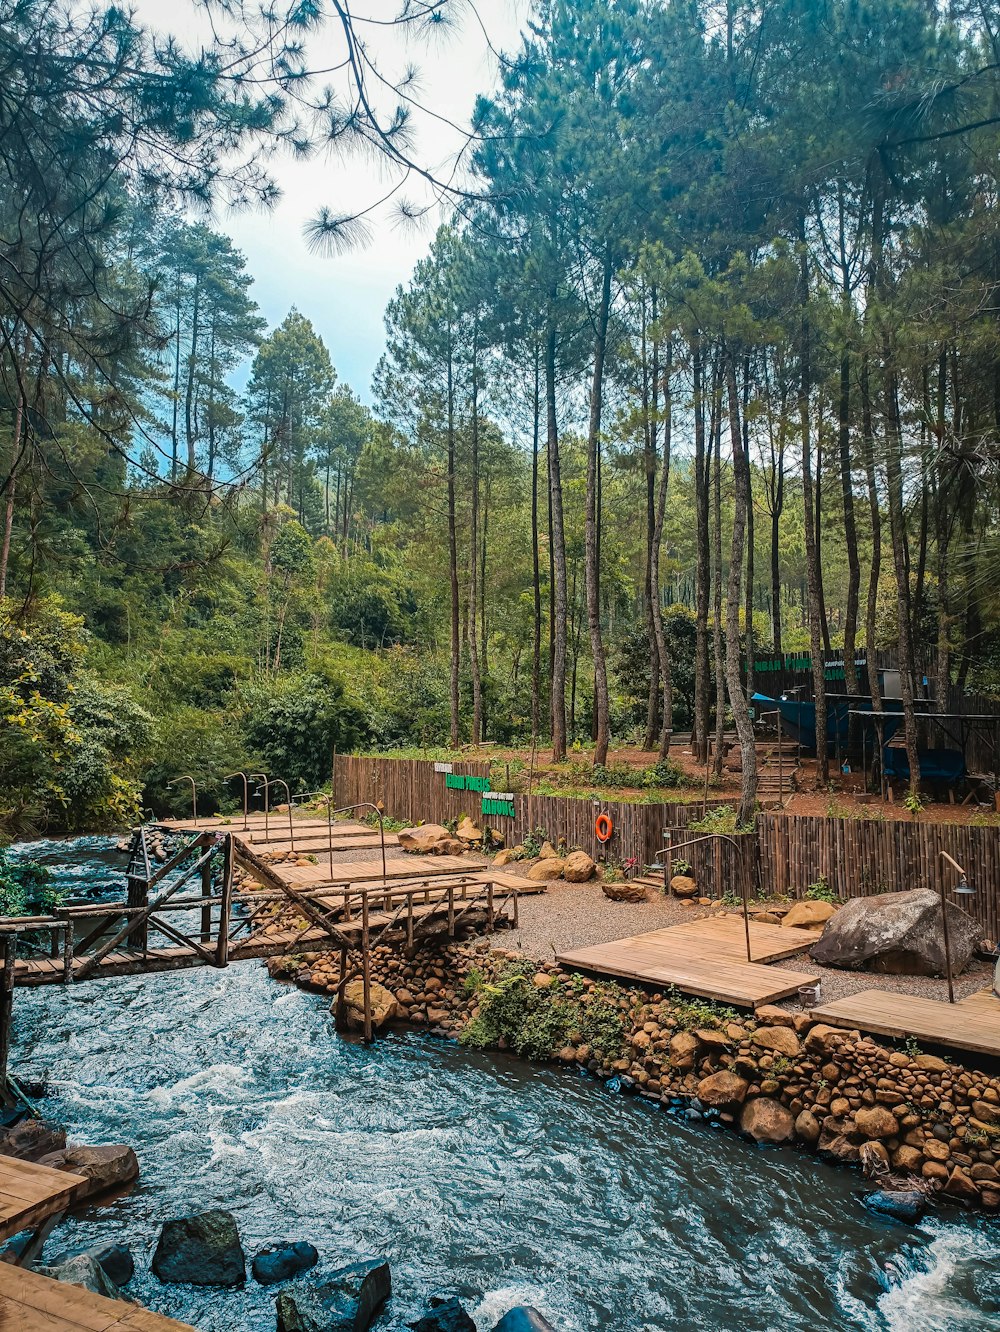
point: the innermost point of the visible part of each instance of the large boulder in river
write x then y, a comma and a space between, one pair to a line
383, 1005
113, 1166
84, 1270
346, 1302
201, 1250
32, 1139
281, 1262
523, 1318
444, 1315
431, 840
897, 934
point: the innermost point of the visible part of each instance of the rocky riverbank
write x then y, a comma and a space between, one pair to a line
909, 1120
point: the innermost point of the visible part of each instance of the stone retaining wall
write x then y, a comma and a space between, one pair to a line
777, 1077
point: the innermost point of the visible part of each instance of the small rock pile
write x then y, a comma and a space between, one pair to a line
777, 1077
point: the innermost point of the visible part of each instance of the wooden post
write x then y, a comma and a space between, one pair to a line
515, 909
489, 905
206, 911
366, 977
138, 892
409, 918
451, 911
6, 1008
68, 953
222, 947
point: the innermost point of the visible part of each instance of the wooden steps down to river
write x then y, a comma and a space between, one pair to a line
30, 1302
972, 1024
705, 958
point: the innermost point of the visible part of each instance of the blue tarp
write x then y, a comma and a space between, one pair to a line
799, 719
936, 765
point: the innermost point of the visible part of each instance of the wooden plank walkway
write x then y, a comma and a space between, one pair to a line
710, 962
367, 871
973, 1024
30, 1302
30, 1194
725, 936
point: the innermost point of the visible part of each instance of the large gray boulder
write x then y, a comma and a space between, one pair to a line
346, 1302
897, 934
84, 1270
202, 1250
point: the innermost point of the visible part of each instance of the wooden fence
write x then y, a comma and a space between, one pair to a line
786, 853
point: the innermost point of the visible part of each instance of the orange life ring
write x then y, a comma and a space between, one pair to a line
603, 827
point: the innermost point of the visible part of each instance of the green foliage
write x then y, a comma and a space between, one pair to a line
25, 887
294, 725
537, 1021
820, 891
721, 819
690, 1013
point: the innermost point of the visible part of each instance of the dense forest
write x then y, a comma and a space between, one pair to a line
703, 362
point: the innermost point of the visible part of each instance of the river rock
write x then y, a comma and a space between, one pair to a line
104, 1168
201, 1250
722, 1090
84, 1270
682, 885
624, 891
807, 915
807, 1127
781, 1040
897, 934
578, 867
346, 1302
431, 839
117, 1262
875, 1121
280, 1262
768, 1121
383, 1005
444, 1315
907, 1205
523, 1318
32, 1139
542, 870
468, 832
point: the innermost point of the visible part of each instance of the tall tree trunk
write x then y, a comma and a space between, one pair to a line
702, 473
558, 544
900, 560
734, 681
751, 648
812, 552
649, 438
871, 607
942, 535
453, 561
660, 637
477, 684
16, 457
720, 664
850, 527
592, 570
190, 425
536, 582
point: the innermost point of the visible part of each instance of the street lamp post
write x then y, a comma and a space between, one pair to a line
246, 794
962, 889
186, 777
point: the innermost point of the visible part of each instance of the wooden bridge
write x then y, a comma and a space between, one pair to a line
214, 900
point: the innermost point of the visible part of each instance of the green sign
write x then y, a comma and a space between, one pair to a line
500, 803
457, 781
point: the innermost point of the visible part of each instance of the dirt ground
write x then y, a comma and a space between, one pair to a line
842, 799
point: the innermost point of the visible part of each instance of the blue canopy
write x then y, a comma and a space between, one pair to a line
799, 718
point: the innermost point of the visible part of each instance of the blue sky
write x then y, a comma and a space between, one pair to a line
345, 295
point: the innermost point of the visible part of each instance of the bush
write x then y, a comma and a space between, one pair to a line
25, 887
208, 745
294, 725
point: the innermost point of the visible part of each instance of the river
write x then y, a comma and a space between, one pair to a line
474, 1174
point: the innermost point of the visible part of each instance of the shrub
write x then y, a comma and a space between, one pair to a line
295, 724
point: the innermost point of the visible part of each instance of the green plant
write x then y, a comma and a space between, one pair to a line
690, 1013
721, 819
25, 887
913, 803
680, 866
780, 1064
820, 891
531, 844
911, 1047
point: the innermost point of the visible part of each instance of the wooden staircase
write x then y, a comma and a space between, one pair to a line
777, 770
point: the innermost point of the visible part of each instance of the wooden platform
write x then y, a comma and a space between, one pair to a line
709, 962
973, 1024
368, 871
725, 936
30, 1194
33, 1303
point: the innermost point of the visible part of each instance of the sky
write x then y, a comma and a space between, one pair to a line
345, 295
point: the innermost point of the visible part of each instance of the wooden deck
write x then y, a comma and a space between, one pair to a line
705, 958
30, 1194
33, 1303
368, 871
973, 1024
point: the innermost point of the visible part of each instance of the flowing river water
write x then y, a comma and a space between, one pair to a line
474, 1174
